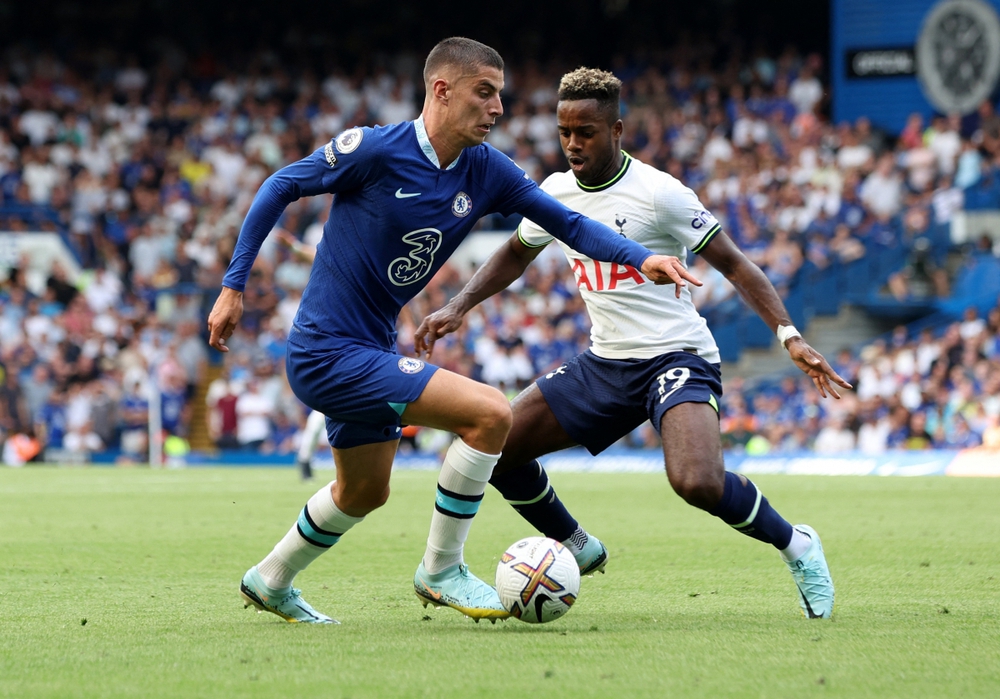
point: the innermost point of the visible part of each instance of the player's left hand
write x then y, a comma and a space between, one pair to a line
815, 366
667, 269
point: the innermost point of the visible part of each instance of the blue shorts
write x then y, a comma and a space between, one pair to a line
361, 390
599, 401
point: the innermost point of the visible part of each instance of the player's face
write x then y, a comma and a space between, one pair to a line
474, 105
589, 142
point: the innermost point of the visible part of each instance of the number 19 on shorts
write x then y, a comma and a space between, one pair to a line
677, 375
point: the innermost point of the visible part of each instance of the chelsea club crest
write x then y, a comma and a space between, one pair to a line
462, 206
408, 365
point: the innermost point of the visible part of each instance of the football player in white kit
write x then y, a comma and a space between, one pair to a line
652, 355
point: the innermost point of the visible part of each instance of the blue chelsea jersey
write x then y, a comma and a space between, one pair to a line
396, 218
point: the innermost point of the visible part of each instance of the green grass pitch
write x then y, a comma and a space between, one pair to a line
123, 583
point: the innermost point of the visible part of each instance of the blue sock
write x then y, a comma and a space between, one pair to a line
526, 488
746, 510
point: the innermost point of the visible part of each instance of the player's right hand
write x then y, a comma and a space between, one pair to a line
226, 313
667, 269
434, 327
816, 367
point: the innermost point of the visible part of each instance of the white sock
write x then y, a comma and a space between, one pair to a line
799, 544
315, 424
464, 475
320, 526
577, 541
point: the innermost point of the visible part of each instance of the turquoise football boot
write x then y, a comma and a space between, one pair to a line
593, 557
286, 603
459, 589
812, 577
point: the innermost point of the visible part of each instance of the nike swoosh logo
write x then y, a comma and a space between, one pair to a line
400, 195
435, 595
809, 609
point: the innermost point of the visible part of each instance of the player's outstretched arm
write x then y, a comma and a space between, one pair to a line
597, 241
761, 296
501, 268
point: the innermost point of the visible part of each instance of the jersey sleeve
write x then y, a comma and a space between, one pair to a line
517, 193
530, 233
345, 163
680, 214
593, 239
512, 188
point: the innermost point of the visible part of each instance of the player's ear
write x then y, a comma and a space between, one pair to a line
441, 88
617, 128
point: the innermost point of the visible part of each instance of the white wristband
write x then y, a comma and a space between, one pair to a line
786, 333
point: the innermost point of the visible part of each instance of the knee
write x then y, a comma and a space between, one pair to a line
701, 490
497, 416
493, 418
359, 501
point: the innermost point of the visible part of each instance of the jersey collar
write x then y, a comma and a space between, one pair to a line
600, 187
426, 147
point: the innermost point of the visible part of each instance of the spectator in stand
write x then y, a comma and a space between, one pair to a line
873, 434
806, 91
882, 191
14, 415
37, 389
853, 153
253, 417
50, 423
917, 436
21, 448
133, 412
991, 436
844, 246
221, 399
782, 260
81, 441
835, 437
961, 437
283, 437
175, 413
912, 135
947, 200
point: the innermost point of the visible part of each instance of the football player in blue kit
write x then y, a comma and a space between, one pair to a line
652, 357
405, 196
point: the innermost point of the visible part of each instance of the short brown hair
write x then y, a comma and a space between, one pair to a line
467, 54
593, 84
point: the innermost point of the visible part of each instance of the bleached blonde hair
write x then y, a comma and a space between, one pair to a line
593, 84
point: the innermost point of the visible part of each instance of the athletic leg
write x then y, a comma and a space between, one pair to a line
692, 451
522, 480
480, 416
362, 485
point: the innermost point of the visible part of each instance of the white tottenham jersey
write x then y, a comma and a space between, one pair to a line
632, 317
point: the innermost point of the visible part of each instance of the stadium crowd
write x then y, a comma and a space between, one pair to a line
146, 169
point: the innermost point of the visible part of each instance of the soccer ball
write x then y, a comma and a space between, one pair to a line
538, 579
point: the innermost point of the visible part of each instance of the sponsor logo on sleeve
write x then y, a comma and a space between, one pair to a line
349, 141
331, 158
702, 219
